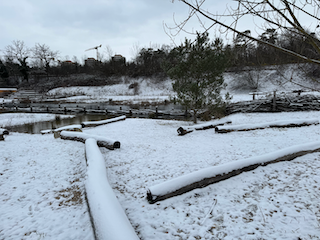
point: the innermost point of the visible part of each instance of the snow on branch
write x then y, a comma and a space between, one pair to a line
102, 122
109, 219
277, 124
82, 137
207, 176
184, 130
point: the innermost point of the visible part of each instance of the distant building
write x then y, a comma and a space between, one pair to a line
67, 63
119, 58
7, 91
90, 62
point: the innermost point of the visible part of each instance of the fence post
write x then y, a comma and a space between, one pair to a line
274, 104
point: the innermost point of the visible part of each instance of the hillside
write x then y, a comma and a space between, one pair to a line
240, 83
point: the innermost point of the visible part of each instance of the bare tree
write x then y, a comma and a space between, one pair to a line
281, 15
18, 52
109, 52
44, 56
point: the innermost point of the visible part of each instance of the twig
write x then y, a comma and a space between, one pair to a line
211, 209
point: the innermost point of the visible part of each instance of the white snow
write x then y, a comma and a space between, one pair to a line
69, 127
42, 179
90, 123
269, 124
40, 175
210, 172
110, 221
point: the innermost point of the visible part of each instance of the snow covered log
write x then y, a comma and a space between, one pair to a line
4, 131
102, 122
82, 137
277, 124
109, 219
207, 176
74, 128
184, 130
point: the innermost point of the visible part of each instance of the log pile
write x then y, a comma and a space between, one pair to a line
281, 103
82, 137
207, 176
278, 124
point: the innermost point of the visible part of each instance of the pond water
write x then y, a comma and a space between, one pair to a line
35, 128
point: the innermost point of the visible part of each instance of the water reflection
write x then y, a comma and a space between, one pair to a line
35, 128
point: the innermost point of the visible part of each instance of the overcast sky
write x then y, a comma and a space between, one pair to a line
72, 26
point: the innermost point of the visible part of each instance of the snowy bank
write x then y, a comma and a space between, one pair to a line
215, 174
110, 221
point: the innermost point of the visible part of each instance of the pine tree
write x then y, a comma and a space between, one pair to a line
197, 69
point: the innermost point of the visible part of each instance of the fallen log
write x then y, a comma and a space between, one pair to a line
4, 131
74, 128
102, 122
109, 219
207, 176
82, 137
212, 124
277, 124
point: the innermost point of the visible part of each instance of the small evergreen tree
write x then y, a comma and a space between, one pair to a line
197, 69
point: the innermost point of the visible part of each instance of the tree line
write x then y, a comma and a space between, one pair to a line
26, 66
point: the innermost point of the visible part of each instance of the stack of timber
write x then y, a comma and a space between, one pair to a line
277, 124
279, 103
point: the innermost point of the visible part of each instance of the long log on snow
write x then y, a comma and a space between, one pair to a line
277, 124
207, 176
102, 122
212, 124
109, 219
82, 137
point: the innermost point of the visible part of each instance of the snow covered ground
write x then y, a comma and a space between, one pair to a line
42, 182
42, 179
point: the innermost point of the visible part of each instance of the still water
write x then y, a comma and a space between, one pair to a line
35, 128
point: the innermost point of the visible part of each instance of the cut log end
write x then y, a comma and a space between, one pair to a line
181, 131
116, 144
